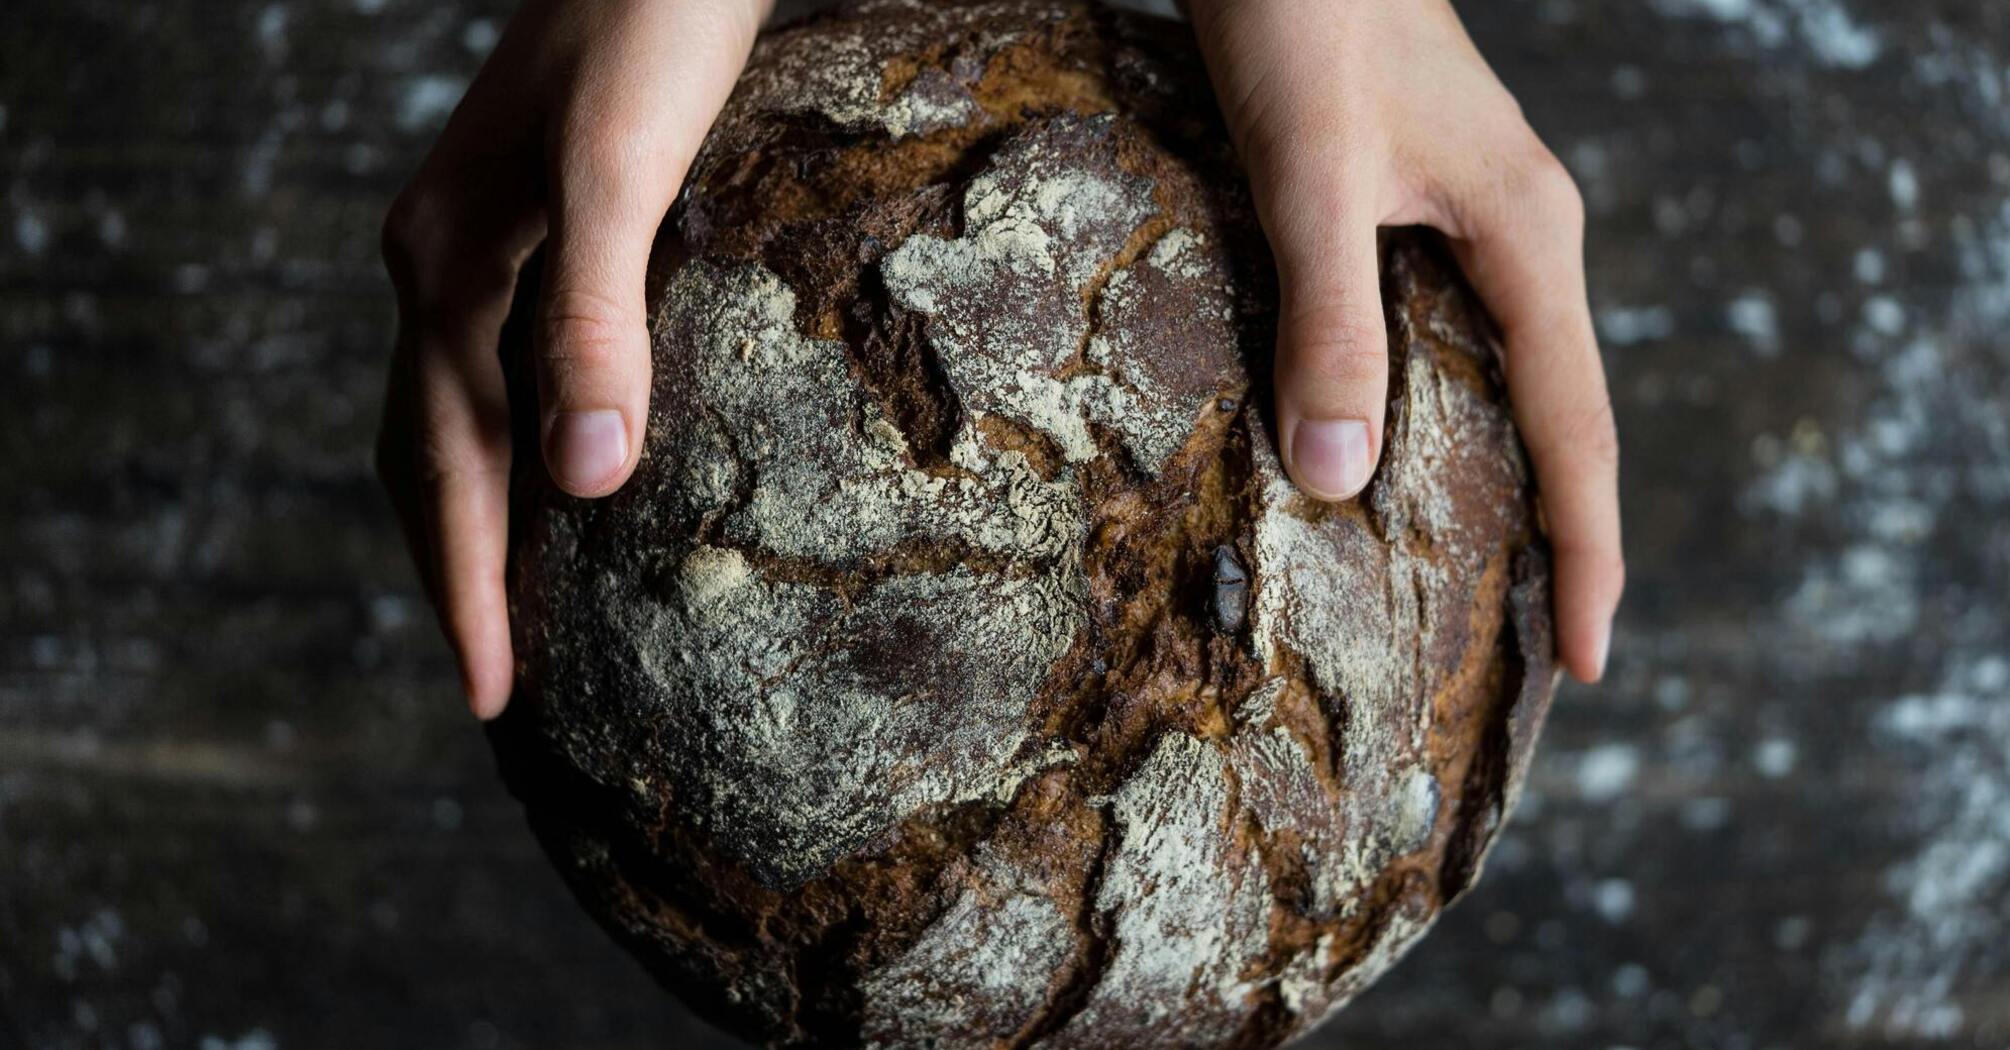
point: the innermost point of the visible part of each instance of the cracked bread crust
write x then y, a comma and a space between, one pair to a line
959, 669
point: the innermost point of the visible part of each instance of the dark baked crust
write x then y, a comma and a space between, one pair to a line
959, 669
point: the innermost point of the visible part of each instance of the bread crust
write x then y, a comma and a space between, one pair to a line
959, 669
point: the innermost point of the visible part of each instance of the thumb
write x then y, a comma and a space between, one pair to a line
1332, 367
638, 109
1310, 158
593, 361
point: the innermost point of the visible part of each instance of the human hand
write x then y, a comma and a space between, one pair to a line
609, 100
1352, 116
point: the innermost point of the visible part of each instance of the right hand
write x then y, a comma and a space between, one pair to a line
1357, 116
608, 101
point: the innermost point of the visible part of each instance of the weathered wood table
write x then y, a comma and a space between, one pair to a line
240, 806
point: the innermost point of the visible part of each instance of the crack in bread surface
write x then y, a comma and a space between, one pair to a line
887, 699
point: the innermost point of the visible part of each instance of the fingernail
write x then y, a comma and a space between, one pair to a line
586, 448
1331, 456
1604, 650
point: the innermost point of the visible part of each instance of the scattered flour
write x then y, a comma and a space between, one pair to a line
427, 100
1947, 920
30, 231
1752, 315
1607, 771
1629, 325
1825, 27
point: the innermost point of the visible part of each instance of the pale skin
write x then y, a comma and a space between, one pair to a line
1350, 115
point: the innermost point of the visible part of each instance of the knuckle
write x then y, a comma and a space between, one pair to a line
1594, 436
441, 277
436, 270
450, 455
1341, 348
1596, 565
440, 456
1347, 363
582, 331
414, 229
458, 430
1529, 193
1582, 446
1546, 184
1600, 572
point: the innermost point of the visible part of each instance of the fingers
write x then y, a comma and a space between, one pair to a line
1315, 172
613, 99
464, 461
1520, 241
445, 446
643, 101
1333, 152
453, 243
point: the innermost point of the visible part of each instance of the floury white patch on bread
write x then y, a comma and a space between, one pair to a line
1046, 347
959, 669
1366, 623
817, 473
766, 659
1187, 907
966, 978
841, 75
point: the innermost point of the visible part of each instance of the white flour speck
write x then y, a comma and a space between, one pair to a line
427, 100
1625, 326
1944, 918
1776, 757
1613, 898
1869, 266
1752, 315
1884, 316
30, 232
1824, 27
1904, 184
1607, 771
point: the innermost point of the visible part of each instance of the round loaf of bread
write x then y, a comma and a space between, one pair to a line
959, 668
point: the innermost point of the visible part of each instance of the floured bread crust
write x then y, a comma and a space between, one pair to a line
959, 669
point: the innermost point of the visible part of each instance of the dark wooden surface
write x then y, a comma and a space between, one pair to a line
240, 806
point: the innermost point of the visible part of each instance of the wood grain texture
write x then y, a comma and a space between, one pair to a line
240, 805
